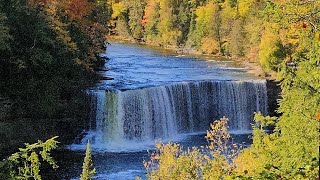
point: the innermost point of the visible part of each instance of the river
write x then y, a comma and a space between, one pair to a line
159, 95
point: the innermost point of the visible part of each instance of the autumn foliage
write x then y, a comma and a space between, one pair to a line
50, 41
172, 161
265, 32
78, 9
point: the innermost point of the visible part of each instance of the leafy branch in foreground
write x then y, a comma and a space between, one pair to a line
25, 164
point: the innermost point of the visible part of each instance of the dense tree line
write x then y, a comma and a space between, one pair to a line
48, 51
250, 29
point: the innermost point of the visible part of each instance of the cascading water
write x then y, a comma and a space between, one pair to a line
163, 95
163, 112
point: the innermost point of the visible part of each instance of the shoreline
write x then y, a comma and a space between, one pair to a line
251, 67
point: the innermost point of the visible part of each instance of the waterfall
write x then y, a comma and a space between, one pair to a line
165, 111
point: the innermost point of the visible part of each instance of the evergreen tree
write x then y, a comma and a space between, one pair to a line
150, 21
136, 11
87, 170
169, 33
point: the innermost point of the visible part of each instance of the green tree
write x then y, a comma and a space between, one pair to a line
236, 39
151, 20
136, 12
87, 170
272, 52
102, 11
182, 22
25, 164
206, 35
168, 32
121, 16
55, 49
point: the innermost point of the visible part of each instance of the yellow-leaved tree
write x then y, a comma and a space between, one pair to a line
172, 161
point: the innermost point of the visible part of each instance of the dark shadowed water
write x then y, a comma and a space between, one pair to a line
126, 165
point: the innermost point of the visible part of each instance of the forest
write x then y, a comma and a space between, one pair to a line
48, 54
267, 32
50, 50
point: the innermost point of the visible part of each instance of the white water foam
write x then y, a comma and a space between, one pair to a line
99, 146
122, 175
133, 120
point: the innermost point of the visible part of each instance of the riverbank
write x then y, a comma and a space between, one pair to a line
251, 67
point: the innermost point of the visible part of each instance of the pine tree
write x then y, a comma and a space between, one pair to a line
136, 10
87, 171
